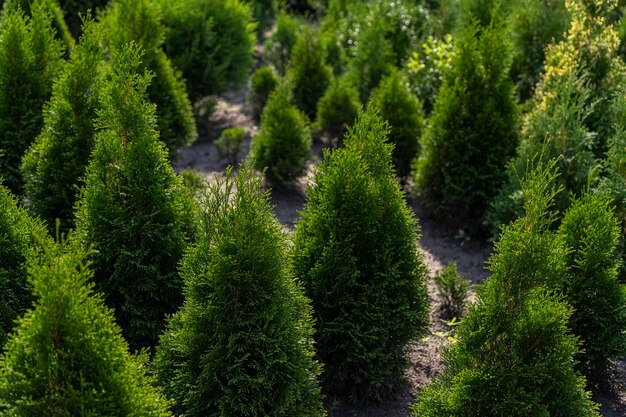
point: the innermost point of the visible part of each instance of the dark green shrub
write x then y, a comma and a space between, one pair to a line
21, 242
472, 131
355, 253
53, 9
591, 233
453, 289
133, 209
338, 109
138, 21
264, 12
335, 54
242, 343
308, 73
229, 143
30, 58
67, 357
401, 109
54, 165
283, 144
514, 355
211, 42
262, 83
277, 49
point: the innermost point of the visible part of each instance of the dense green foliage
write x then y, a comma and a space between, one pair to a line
278, 47
514, 355
229, 143
67, 357
591, 233
452, 289
401, 109
242, 343
355, 253
133, 209
54, 165
30, 58
472, 131
74, 9
210, 41
338, 109
262, 82
21, 241
283, 144
138, 21
308, 73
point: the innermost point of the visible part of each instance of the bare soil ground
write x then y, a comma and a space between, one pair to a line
438, 245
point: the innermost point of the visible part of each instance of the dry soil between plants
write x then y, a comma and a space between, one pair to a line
437, 244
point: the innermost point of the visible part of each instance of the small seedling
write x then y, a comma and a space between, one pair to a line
452, 288
229, 143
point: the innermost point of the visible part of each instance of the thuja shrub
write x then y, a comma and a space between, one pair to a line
515, 355
74, 9
22, 239
67, 356
262, 82
591, 233
138, 21
54, 165
264, 12
133, 209
30, 58
453, 290
229, 143
338, 109
308, 72
472, 131
402, 110
277, 49
283, 144
211, 42
355, 253
242, 343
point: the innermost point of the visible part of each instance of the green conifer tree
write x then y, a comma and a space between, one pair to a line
133, 209
591, 233
355, 253
21, 241
55, 164
67, 357
30, 58
262, 83
242, 343
74, 9
472, 131
514, 355
139, 21
283, 144
338, 109
403, 111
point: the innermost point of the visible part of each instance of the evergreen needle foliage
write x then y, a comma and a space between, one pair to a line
67, 357
515, 356
133, 209
55, 163
242, 343
355, 253
30, 58
75, 9
283, 144
472, 131
591, 233
139, 21
262, 83
21, 242
338, 109
277, 49
401, 109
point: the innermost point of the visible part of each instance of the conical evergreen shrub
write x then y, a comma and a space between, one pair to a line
242, 343
355, 253
308, 72
133, 209
67, 357
514, 355
21, 241
211, 41
472, 131
74, 9
262, 83
283, 144
30, 58
402, 110
338, 109
139, 21
55, 164
591, 233
277, 49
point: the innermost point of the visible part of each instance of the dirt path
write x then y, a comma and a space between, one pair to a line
438, 245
